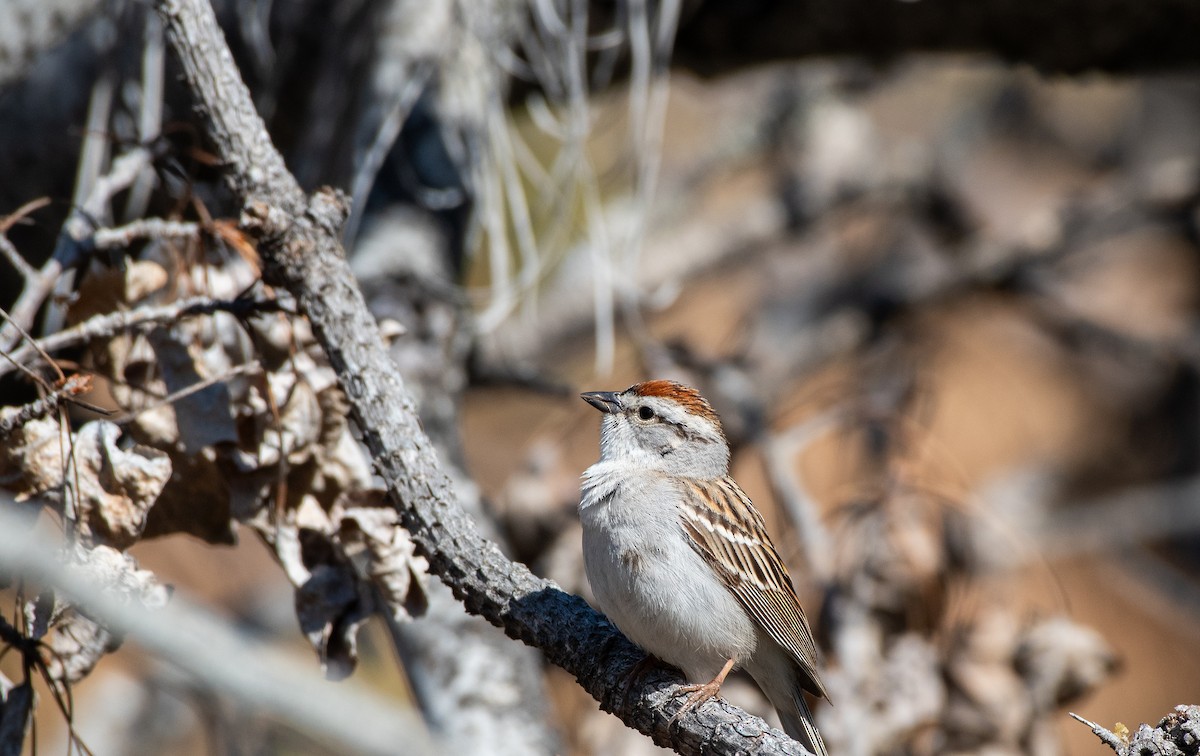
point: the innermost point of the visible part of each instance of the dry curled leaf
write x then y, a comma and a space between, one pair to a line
273, 450
75, 645
72, 642
331, 606
371, 549
391, 561
187, 355
110, 488
1121, 731
347, 564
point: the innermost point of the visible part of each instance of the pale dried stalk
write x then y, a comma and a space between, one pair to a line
259, 676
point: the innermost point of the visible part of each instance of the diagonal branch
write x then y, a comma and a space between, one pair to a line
298, 242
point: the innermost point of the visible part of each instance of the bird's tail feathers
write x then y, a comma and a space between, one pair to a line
798, 722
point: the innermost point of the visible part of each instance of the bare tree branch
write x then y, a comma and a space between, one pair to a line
110, 324
298, 241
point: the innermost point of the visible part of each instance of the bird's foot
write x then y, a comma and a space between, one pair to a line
701, 692
696, 695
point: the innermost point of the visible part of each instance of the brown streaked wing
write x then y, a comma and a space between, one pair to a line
732, 538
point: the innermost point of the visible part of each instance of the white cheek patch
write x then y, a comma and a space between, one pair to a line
673, 443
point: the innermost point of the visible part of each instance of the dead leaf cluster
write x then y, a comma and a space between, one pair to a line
216, 420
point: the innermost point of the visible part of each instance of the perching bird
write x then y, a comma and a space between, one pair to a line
679, 558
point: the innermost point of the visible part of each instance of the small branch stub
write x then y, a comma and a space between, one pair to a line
1177, 734
1108, 737
264, 220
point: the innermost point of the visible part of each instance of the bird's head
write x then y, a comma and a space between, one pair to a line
664, 425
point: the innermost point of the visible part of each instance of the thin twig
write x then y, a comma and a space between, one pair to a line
74, 385
372, 157
33, 345
138, 230
110, 324
15, 259
18, 215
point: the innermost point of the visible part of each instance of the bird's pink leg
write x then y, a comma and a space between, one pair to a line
699, 693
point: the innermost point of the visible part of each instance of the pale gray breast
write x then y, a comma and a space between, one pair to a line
650, 582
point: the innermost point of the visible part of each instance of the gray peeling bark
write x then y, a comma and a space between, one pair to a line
298, 241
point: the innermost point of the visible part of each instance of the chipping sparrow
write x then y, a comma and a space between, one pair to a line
679, 559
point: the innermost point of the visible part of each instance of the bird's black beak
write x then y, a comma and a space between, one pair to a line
605, 401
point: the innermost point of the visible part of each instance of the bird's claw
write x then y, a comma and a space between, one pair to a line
696, 695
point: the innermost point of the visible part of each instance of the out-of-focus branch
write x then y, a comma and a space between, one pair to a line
779, 450
70, 247
193, 640
150, 109
1137, 515
298, 242
30, 27
147, 228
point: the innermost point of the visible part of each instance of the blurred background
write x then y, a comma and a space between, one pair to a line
937, 271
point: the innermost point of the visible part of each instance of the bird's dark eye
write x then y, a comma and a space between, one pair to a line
646, 413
